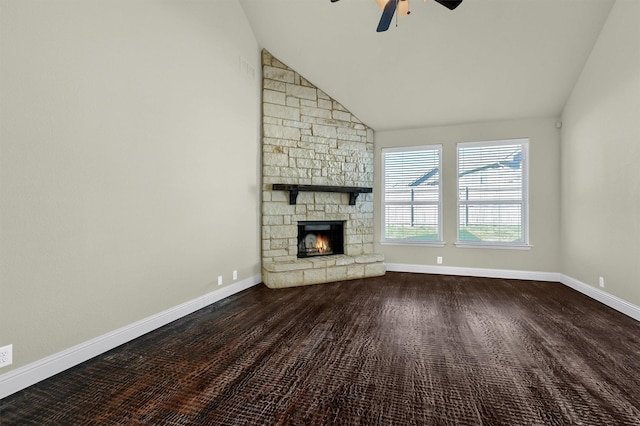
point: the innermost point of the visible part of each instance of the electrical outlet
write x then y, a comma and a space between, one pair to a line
6, 355
219, 279
439, 260
601, 282
235, 275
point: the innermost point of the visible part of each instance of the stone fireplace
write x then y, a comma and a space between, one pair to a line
317, 176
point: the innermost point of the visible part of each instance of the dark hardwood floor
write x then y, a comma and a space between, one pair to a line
404, 349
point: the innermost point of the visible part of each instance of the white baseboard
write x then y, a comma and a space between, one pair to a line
603, 297
610, 300
30, 374
474, 272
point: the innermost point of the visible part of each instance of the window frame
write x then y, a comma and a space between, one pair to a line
524, 202
438, 242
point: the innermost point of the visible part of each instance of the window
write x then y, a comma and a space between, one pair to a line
492, 193
411, 195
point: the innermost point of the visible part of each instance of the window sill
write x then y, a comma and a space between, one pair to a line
494, 246
412, 243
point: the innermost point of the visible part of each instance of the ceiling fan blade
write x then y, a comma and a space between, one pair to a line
387, 15
333, 1
450, 4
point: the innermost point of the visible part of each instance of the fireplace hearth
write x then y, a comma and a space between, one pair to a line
320, 238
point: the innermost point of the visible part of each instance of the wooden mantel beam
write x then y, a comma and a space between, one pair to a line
353, 191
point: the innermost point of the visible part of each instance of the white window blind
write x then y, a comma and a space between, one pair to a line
492, 193
411, 195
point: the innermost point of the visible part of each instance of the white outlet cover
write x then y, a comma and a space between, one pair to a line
6, 355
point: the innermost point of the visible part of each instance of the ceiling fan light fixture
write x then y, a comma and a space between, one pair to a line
403, 6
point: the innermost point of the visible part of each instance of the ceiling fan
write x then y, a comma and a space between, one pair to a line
389, 8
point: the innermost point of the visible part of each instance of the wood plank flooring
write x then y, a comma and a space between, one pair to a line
403, 349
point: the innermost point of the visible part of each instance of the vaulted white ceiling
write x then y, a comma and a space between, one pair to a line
486, 60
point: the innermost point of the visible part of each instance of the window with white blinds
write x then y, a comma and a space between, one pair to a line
492, 193
411, 195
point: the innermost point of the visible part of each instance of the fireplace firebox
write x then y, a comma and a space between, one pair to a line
320, 238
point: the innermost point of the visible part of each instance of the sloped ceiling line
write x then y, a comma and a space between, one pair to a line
487, 60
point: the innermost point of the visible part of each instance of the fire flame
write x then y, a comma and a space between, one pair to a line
322, 244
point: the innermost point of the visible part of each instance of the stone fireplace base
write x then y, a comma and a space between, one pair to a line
322, 270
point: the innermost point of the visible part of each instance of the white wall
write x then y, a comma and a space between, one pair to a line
544, 184
601, 161
129, 163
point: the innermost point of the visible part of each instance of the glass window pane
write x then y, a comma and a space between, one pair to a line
492, 196
491, 223
411, 194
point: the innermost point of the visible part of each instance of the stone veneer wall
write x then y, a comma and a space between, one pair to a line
310, 139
